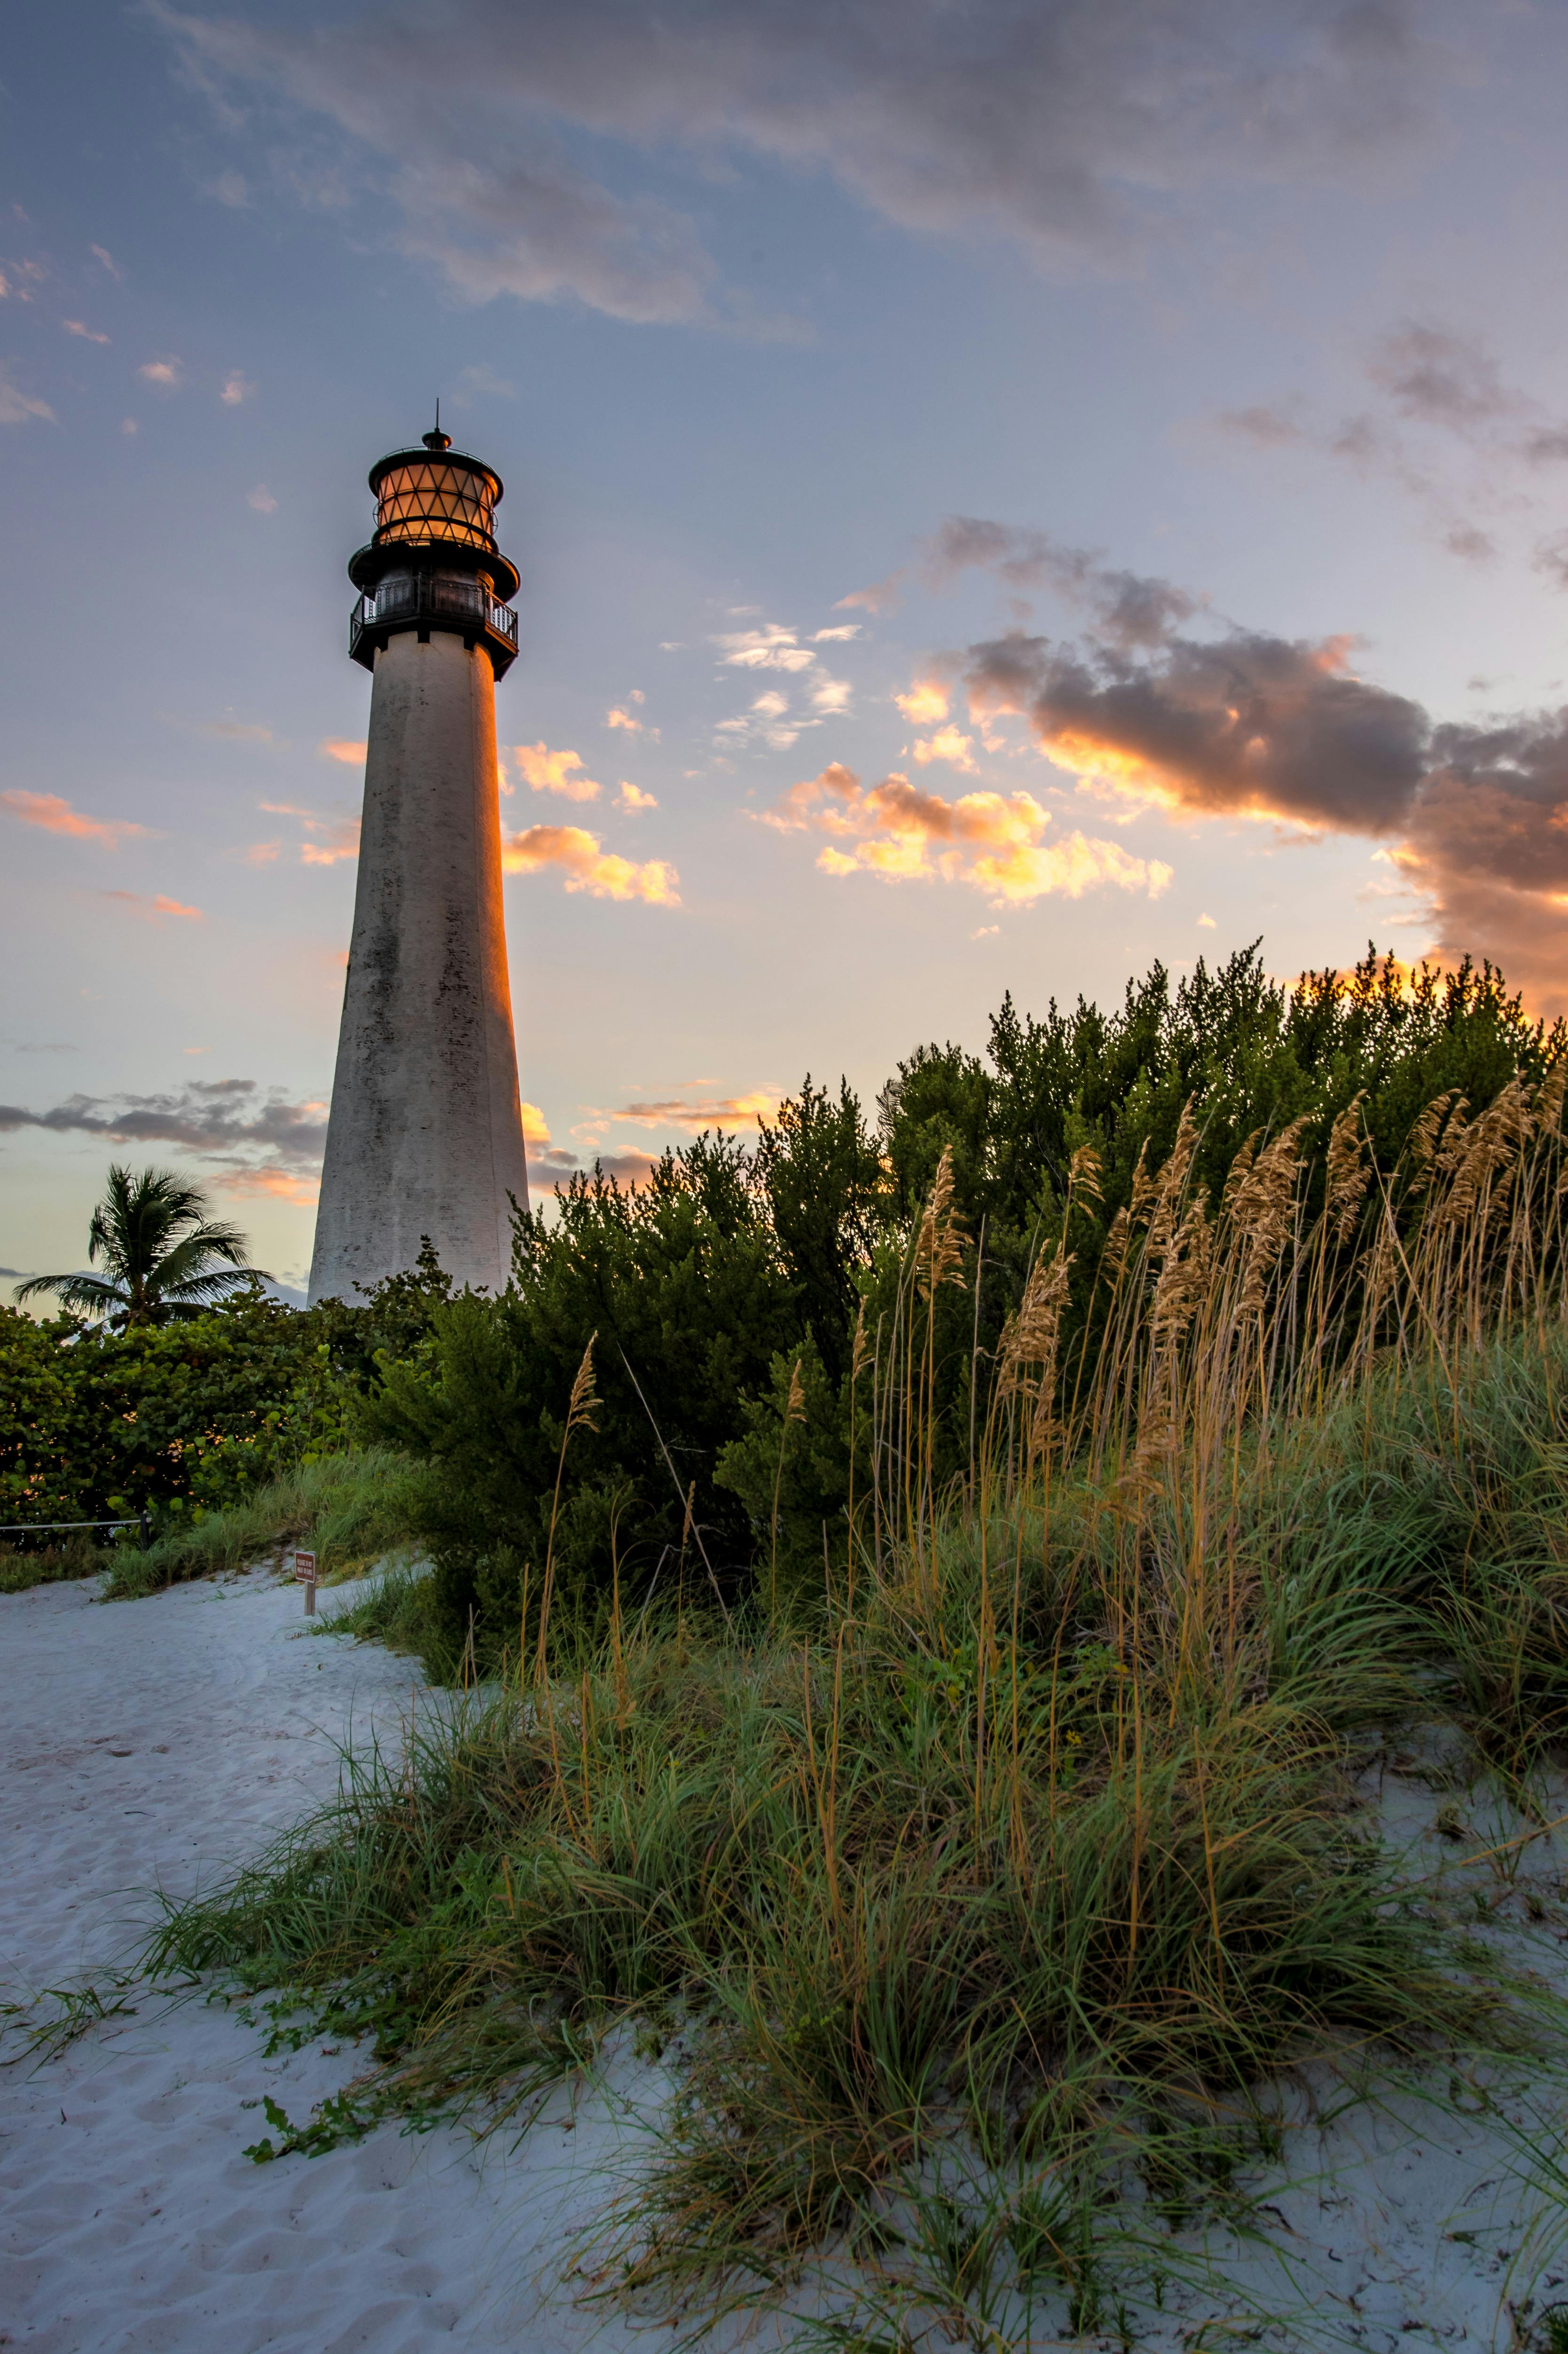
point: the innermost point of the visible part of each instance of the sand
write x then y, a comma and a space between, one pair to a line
147, 1745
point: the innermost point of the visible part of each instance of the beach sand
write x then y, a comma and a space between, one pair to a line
149, 1744
146, 1746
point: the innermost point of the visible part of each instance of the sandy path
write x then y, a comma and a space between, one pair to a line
150, 1743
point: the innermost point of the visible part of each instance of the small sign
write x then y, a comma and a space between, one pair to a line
305, 1567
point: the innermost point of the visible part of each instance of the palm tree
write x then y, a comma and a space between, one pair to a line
159, 1249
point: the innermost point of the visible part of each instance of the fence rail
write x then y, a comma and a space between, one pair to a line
47, 1528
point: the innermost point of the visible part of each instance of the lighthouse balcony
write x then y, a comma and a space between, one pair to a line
425, 600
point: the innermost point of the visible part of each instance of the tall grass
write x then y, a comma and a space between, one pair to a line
350, 1508
1036, 1837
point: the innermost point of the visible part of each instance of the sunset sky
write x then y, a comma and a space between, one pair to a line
1003, 492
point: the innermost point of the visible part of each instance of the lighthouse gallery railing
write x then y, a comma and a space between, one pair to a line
444, 596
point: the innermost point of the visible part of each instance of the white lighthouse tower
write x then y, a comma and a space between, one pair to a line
426, 1131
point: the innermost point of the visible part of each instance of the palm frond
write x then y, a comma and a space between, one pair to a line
88, 1293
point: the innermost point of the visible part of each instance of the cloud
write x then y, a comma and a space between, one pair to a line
1440, 378
555, 772
1129, 607
993, 842
16, 406
234, 1120
163, 372
228, 731
79, 327
1473, 816
831, 696
617, 716
1249, 723
587, 866
1084, 133
948, 744
230, 188
840, 636
705, 1112
632, 798
261, 499
1207, 924
772, 647
481, 378
153, 910
108, 262
56, 815
767, 721
236, 389
349, 749
328, 837
551, 1169
1452, 433
927, 700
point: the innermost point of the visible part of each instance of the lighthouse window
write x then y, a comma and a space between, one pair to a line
425, 501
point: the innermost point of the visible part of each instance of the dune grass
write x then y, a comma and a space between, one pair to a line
982, 1909
77, 1556
351, 1509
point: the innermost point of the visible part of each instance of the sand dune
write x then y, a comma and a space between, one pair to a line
149, 1744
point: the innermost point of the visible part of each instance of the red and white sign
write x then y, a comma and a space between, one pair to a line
305, 1568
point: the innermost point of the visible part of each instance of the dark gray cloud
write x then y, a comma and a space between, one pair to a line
1246, 723
556, 1165
1475, 816
1081, 131
1129, 609
233, 1120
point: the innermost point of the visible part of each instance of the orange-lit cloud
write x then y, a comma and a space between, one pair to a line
79, 327
275, 1184
164, 373
948, 744
328, 838
926, 701
632, 798
555, 772
57, 816
153, 910
617, 714
344, 748
991, 841
705, 1112
535, 1127
586, 865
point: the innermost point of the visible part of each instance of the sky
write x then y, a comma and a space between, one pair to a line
1003, 492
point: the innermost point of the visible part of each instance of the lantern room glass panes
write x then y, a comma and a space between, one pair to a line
424, 500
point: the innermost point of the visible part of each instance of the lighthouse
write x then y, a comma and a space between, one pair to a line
425, 1135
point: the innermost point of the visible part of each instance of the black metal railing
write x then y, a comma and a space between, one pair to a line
442, 596
47, 1528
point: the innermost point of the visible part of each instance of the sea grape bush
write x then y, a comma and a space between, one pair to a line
742, 1301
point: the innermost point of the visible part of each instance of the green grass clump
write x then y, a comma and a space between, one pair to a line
349, 1509
393, 1609
79, 1556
